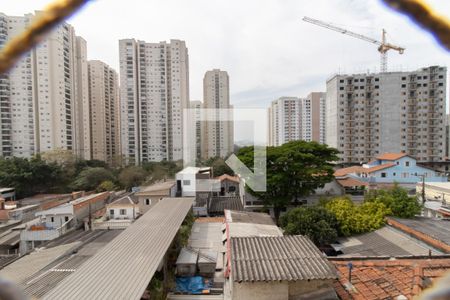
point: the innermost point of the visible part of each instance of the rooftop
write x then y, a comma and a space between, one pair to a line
388, 279
386, 241
359, 169
349, 182
232, 216
158, 186
227, 177
391, 156
122, 201
435, 228
219, 204
278, 258
124, 267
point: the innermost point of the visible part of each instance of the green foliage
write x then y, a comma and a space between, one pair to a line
106, 186
355, 219
132, 176
397, 200
315, 222
219, 166
90, 178
294, 169
162, 170
29, 176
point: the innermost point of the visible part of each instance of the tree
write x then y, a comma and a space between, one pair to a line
30, 176
294, 169
219, 166
91, 178
397, 200
315, 222
132, 176
106, 186
354, 219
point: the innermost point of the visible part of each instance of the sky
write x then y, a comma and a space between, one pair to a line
266, 48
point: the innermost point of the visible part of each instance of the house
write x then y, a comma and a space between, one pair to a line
279, 267
436, 209
60, 219
389, 278
198, 183
227, 186
192, 180
148, 196
122, 209
387, 169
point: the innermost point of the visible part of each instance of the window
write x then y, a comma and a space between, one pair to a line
394, 174
186, 182
148, 201
66, 218
111, 212
407, 164
52, 219
383, 175
232, 188
123, 212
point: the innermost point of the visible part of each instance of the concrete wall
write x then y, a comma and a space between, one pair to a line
260, 291
301, 287
128, 212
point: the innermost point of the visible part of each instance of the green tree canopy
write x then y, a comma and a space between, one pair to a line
315, 222
397, 200
29, 176
294, 169
91, 178
106, 186
219, 166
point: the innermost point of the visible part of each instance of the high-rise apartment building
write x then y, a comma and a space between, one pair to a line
154, 90
284, 121
370, 114
197, 133
104, 108
313, 117
40, 95
218, 138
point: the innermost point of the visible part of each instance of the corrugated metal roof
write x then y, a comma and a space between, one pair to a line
435, 228
26, 266
124, 267
232, 216
382, 242
219, 204
278, 258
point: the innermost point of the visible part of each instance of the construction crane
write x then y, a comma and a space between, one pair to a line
383, 46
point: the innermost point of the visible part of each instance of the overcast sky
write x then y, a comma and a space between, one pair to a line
264, 45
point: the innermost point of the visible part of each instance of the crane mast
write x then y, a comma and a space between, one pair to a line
383, 45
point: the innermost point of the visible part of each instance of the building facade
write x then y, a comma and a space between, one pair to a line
104, 112
43, 96
313, 117
218, 139
198, 132
284, 120
154, 81
370, 114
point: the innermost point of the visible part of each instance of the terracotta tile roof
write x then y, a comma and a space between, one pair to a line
348, 182
359, 169
226, 176
388, 279
391, 156
349, 170
210, 220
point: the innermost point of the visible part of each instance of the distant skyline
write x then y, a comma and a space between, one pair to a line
265, 47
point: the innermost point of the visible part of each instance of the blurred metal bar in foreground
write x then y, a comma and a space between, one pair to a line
421, 13
50, 17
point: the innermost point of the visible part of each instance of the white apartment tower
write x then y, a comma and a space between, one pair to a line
41, 95
284, 121
104, 116
313, 117
370, 114
154, 90
218, 138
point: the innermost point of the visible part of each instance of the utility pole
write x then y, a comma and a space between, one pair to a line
423, 188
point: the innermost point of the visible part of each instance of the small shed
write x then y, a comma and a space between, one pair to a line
207, 261
187, 262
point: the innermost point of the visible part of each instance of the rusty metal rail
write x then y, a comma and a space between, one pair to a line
45, 21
